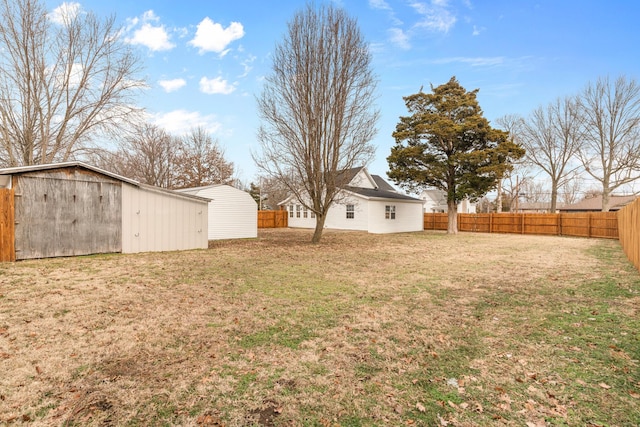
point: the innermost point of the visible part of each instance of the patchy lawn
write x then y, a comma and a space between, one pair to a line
361, 330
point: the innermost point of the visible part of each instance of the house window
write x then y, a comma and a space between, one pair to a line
298, 209
290, 211
305, 213
313, 214
390, 212
350, 211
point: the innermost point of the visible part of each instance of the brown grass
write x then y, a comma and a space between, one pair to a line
407, 329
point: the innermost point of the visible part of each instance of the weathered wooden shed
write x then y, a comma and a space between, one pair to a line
72, 208
233, 214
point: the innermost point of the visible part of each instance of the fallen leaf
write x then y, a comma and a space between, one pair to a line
420, 407
634, 394
604, 386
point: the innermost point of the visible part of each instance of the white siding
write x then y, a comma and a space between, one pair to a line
409, 217
362, 180
337, 216
299, 222
154, 220
233, 214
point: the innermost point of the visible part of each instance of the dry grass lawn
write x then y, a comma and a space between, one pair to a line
417, 329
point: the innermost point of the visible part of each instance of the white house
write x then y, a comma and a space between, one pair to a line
233, 214
436, 201
367, 203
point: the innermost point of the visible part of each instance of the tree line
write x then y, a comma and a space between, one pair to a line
595, 132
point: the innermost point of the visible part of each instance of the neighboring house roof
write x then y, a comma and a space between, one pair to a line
537, 206
616, 202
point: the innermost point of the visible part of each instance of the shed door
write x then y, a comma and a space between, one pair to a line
57, 217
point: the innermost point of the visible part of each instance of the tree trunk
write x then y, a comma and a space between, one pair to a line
605, 199
317, 234
499, 197
554, 197
452, 215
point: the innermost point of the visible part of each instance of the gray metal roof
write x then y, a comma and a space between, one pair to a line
377, 193
52, 166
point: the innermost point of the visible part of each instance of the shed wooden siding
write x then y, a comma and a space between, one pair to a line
155, 220
7, 224
66, 212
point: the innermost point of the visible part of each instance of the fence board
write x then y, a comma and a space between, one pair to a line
589, 224
273, 219
7, 225
629, 231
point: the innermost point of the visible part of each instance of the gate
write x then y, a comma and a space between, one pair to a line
7, 225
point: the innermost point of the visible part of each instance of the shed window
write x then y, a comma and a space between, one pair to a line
298, 209
305, 213
290, 211
350, 211
390, 212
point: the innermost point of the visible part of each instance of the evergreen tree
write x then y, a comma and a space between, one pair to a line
446, 143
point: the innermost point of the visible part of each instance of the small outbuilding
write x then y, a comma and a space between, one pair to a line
233, 213
72, 208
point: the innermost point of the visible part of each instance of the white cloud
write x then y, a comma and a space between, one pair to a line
172, 85
212, 37
154, 37
477, 30
436, 15
179, 122
474, 62
65, 12
247, 65
399, 38
217, 85
379, 4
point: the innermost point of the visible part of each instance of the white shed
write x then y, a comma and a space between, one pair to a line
233, 214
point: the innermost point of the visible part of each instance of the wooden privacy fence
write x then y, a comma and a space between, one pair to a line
7, 225
273, 219
629, 231
588, 224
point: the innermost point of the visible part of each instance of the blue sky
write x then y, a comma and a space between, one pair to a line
205, 61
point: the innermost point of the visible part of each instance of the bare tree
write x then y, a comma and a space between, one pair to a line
611, 149
148, 155
269, 192
511, 124
317, 108
201, 161
552, 136
570, 191
60, 82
